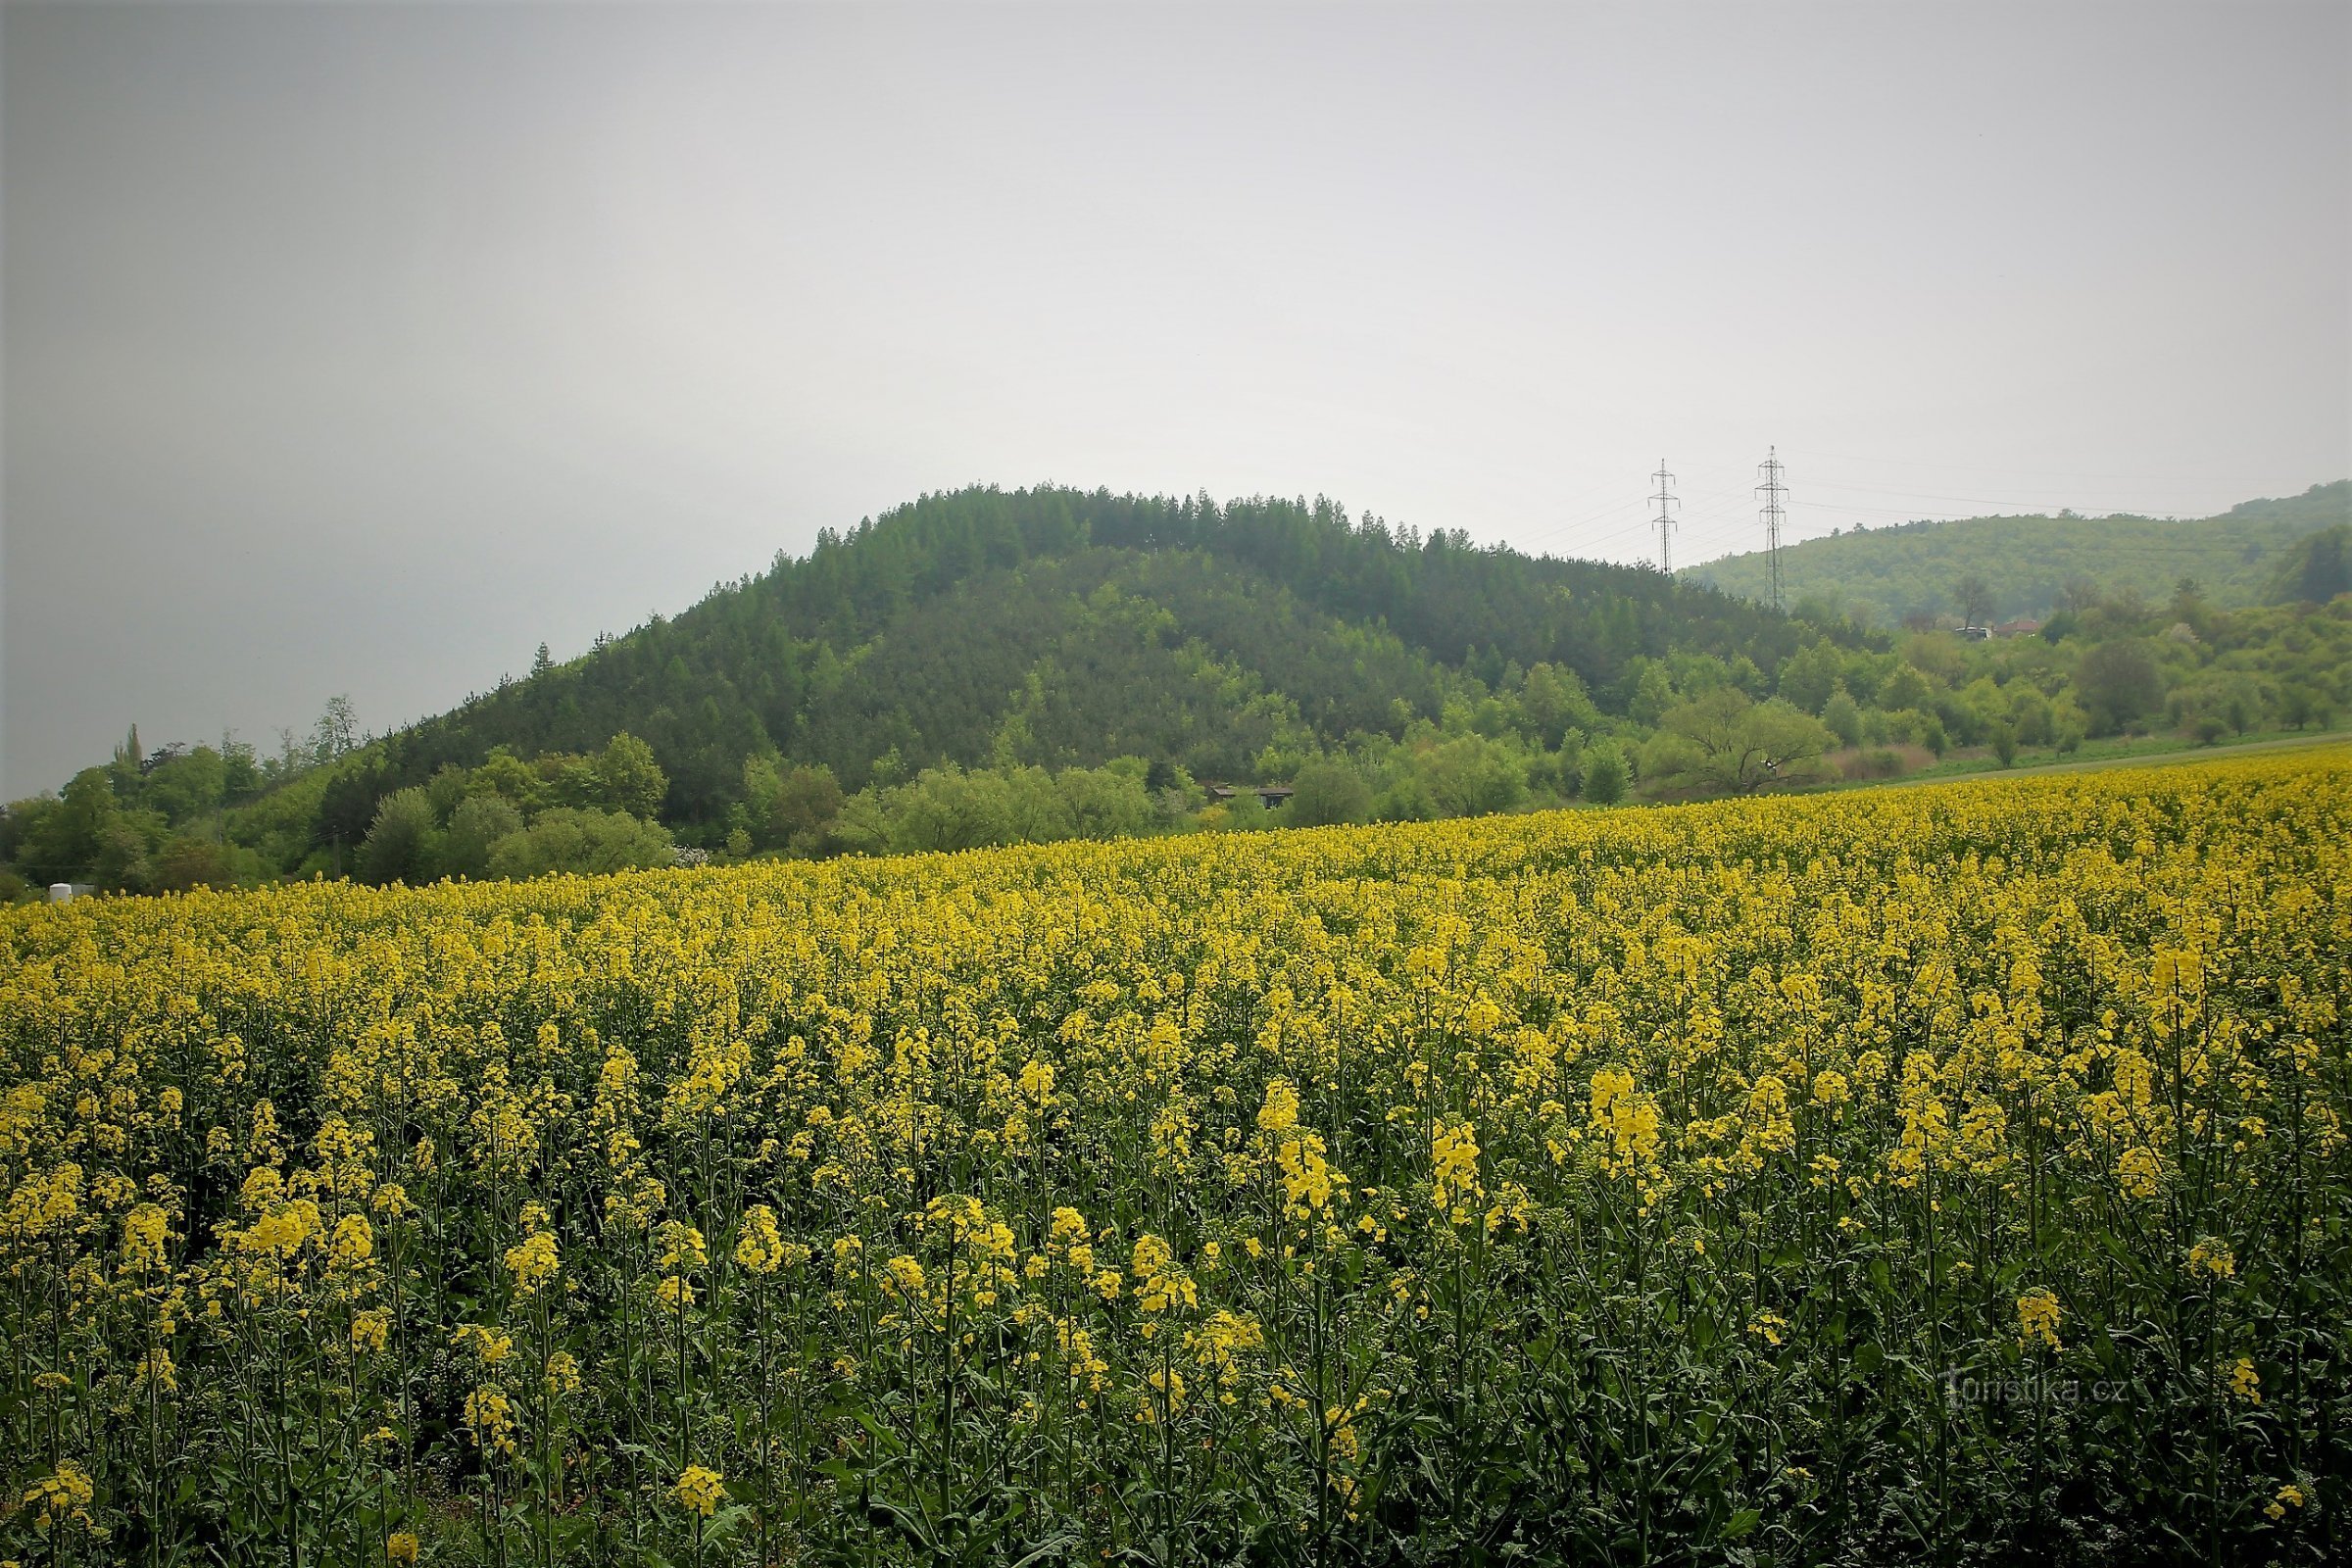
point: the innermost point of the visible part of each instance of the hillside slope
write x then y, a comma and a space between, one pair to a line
1074, 626
985, 668
1887, 573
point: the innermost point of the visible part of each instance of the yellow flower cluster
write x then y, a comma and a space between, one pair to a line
490, 1416
760, 1246
1192, 1184
532, 1263
700, 1489
1453, 1170
62, 1497
2212, 1258
1159, 1285
2038, 1315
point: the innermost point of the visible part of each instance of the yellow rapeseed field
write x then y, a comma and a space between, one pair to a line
1957, 1171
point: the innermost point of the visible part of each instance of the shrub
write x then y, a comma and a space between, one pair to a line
1879, 762
574, 839
1605, 774
402, 845
1327, 793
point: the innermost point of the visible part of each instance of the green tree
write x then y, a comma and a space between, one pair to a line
1724, 742
448, 786
2188, 606
504, 774
1906, 687
1843, 716
1810, 677
803, 806
1470, 776
336, 732
1328, 791
88, 835
1653, 694
240, 768
402, 845
187, 862
2301, 703
949, 809
2119, 683
1036, 810
629, 779
863, 825
124, 862
1106, 803
1406, 798
1553, 702
186, 784
1933, 734
475, 827
2317, 570
1974, 594
2030, 714
59, 839
2240, 707
1604, 774
128, 762
572, 839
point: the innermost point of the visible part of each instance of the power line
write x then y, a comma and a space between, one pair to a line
1715, 513
1665, 498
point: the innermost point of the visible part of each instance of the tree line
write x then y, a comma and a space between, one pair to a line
989, 668
2259, 552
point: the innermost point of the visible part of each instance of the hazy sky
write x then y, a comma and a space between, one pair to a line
362, 349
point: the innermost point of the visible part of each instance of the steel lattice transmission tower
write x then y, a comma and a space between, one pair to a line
1667, 500
1772, 490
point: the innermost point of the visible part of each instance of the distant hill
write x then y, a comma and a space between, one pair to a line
989, 667
1887, 573
1062, 627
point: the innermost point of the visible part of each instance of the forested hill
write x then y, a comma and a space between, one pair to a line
991, 668
1059, 627
2029, 563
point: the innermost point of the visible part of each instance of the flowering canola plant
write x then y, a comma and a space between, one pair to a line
1855, 1176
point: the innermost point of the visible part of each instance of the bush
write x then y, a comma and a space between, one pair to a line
1470, 776
585, 840
1723, 742
1328, 793
1106, 803
477, 822
2120, 683
1407, 799
791, 807
1605, 774
2300, 705
1843, 716
186, 862
402, 845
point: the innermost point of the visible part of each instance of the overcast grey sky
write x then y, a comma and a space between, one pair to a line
362, 349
